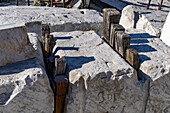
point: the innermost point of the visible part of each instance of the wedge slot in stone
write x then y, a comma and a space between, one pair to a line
114, 28
110, 15
122, 42
60, 66
132, 57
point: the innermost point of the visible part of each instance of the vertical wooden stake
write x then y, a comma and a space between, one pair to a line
114, 28
110, 15
64, 3
60, 93
17, 2
148, 4
160, 5
49, 44
60, 66
28, 2
122, 42
51, 3
45, 29
132, 57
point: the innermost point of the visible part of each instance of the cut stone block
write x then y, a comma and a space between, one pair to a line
165, 35
14, 44
155, 66
110, 15
59, 19
138, 17
34, 27
100, 80
114, 28
24, 86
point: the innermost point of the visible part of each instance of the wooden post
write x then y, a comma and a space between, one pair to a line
49, 44
60, 92
122, 42
64, 3
114, 28
45, 29
60, 66
160, 5
132, 57
110, 15
17, 2
148, 4
51, 3
28, 2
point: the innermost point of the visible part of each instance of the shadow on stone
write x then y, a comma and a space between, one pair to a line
143, 58
141, 36
62, 38
18, 67
138, 41
143, 48
65, 48
77, 62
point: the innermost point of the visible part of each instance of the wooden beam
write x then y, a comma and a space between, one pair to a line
49, 44
45, 29
122, 42
17, 2
114, 28
148, 4
132, 57
60, 92
160, 5
110, 16
28, 2
60, 66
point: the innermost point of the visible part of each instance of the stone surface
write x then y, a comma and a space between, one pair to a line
24, 86
60, 19
100, 80
165, 36
138, 17
155, 66
14, 44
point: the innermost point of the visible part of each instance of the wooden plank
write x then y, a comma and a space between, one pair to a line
60, 92
49, 44
132, 57
110, 15
114, 28
60, 66
122, 42
45, 29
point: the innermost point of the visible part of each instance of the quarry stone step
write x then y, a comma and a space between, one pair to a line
24, 86
100, 80
60, 19
155, 66
14, 44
